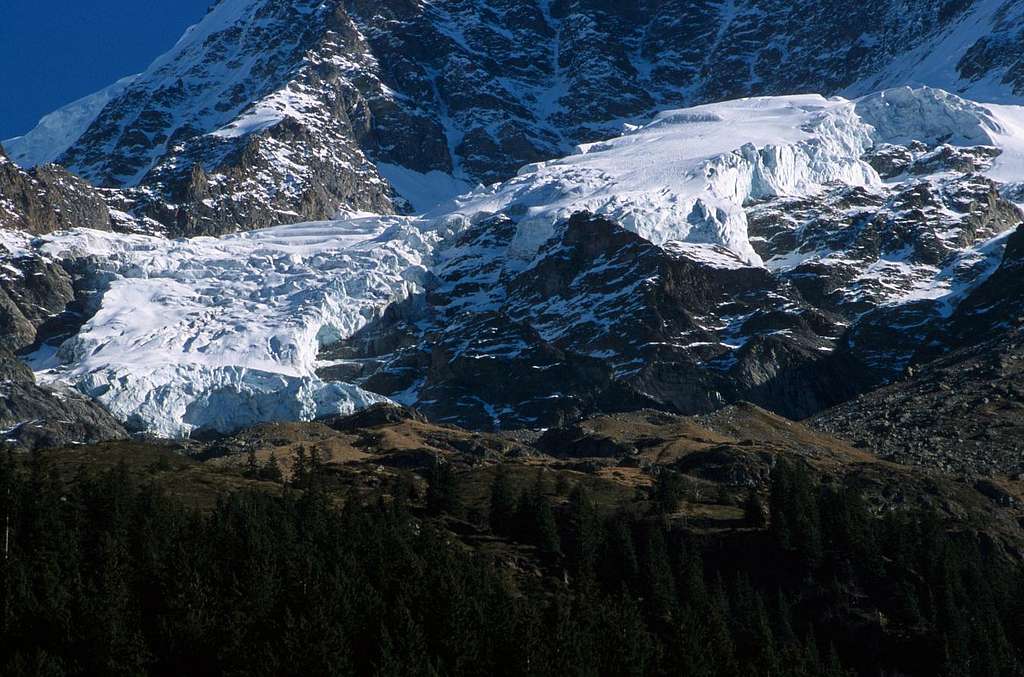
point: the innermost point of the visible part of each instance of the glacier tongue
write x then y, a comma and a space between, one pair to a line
221, 333
688, 175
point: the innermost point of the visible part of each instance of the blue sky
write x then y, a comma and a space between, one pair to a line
55, 51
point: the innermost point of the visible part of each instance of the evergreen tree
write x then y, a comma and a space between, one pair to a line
583, 532
535, 521
271, 471
668, 491
252, 468
503, 503
754, 511
301, 467
107, 576
795, 511
442, 489
658, 583
619, 565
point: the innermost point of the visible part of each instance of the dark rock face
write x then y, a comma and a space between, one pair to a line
601, 320
46, 199
959, 406
995, 307
371, 417
890, 263
34, 417
263, 167
277, 111
40, 299
32, 292
963, 412
998, 52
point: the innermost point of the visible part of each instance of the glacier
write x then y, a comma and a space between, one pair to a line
219, 333
688, 174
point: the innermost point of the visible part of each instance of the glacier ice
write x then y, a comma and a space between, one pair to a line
687, 175
220, 333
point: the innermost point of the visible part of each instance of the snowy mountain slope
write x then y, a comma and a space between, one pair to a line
690, 174
244, 123
312, 97
870, 246
687, 175
58, 130
976, 54
873, 218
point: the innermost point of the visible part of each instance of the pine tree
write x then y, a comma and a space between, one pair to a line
8, 487
796, 511
442, 489
252, 468
754, 511
535, 521
656, 574
300, 469
668, 491
503, 503
583, 532
271, 471
619, 565
562, 486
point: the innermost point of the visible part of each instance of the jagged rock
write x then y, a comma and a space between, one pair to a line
46, 199
33, 291
33, 417
546, 345
961, 412
371, 417
995, 307
497, 313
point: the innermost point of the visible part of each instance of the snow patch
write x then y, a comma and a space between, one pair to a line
424, 192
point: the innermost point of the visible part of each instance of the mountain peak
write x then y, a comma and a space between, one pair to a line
324, 97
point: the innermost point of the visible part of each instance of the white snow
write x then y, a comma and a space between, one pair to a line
269, 111
14, 244
1009, 136
425, 192
686, 175
221, 333
56, 131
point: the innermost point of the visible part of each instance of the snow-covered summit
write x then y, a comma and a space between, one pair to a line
56, 131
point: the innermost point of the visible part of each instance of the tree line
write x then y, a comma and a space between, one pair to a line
106, 576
